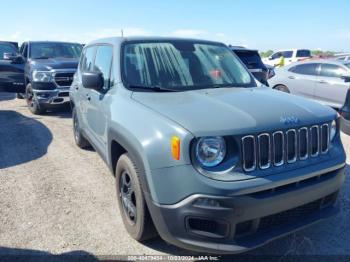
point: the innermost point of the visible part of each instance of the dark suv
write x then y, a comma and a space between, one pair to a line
252, 61
11, 68
48, 73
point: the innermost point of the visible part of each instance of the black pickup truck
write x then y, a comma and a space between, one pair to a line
45, 70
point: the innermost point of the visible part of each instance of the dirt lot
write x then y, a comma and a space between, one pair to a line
56, 198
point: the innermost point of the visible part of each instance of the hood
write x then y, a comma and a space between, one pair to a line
54, 63
227, 111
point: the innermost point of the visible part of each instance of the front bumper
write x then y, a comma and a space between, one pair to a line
234, 224
52, 97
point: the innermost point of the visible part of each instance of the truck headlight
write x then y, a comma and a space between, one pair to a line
42, 76
333, 130
210, 151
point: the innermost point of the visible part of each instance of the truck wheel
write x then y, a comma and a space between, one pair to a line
282, 88
132, 205
32, 102
79, 139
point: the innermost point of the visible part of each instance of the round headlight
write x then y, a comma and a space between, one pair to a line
333, 130
210, 151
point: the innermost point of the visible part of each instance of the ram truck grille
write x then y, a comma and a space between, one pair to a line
281, 147
64, 79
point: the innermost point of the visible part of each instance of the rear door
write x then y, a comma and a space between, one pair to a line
11, 73
330, 88
97, 101
302, 79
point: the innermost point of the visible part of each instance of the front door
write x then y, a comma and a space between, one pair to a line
301, 79
330, 88
11, 73
97, 102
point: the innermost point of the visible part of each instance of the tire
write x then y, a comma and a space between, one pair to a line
32, 102
79, 139
282, 88
131, 201
20, 96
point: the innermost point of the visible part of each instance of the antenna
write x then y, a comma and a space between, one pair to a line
122, 33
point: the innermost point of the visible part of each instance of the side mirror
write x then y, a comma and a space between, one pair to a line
270, 57
93, 80
14, 58
346, 78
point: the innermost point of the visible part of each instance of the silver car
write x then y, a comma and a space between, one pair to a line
326, 81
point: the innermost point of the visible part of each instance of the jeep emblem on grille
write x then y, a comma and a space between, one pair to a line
289, 120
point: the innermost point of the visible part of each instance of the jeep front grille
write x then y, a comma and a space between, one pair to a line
281, 147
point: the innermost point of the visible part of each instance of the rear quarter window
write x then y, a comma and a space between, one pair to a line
303, 53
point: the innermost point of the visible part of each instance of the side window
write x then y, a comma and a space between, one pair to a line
276, 55
303, 53
87, 59
305, 69
287, 54
103, 63
330, 70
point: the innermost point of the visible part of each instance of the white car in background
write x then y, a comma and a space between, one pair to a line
326, 81
342, 57
290, 56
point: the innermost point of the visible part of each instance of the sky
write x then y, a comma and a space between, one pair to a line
259, 24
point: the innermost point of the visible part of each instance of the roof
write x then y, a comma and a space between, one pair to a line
241, 48
63, 42
120, 39
317, 61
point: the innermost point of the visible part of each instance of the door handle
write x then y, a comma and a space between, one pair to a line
291, 77
323, 82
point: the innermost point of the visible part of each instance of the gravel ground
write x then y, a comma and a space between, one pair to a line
56, 198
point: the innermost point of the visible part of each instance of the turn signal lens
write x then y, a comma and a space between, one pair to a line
175, 147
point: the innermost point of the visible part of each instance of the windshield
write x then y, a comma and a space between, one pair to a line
7, 48
54, 50
182, 65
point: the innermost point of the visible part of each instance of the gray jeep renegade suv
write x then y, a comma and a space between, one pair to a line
202, 154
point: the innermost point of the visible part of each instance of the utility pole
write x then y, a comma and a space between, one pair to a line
122, 33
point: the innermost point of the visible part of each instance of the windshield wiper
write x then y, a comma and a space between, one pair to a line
154, 88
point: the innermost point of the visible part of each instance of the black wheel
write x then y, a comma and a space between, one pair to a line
282, 88
132, 205
79, 139
32, 102
20, 96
